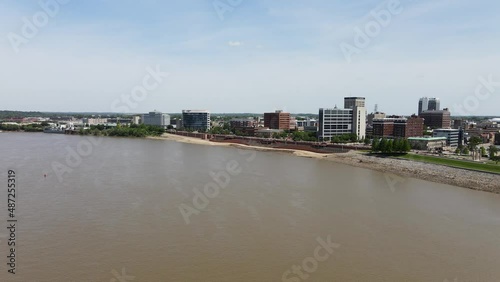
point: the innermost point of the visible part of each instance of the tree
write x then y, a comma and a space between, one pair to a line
390, 146
406, 146
9, 127
353, 137
375, 145
492, 150
474, 141
496, 159
397, 145
367, 141
466, 151
483, 152
382, 146
336, 139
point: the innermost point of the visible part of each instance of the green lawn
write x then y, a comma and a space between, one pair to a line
454, 163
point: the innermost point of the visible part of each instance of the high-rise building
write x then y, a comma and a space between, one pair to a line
352, 119
434, 104
156, 118
196, 120
333, 122
359, 121
428, 104
437, 118
357, 104
350, 102
277, 120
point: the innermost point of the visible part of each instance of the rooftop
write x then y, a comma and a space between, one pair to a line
264, 130
435, 112
195, 111
389, 119
427, 138
445, 129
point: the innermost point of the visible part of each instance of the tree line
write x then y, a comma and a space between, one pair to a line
133, 130
388, 146
27, 128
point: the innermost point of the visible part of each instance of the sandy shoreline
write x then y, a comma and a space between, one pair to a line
405, 168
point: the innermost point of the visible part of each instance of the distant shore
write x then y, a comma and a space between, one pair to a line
405, 168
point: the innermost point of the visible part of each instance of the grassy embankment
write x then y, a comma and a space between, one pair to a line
453, 163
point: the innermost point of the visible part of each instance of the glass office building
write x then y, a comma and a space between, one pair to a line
196, 120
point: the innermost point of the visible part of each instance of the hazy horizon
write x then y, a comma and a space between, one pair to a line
227, 114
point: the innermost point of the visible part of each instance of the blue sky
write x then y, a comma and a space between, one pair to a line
260, 56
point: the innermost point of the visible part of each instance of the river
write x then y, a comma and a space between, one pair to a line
117, 209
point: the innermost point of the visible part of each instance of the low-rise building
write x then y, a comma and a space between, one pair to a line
309, 125
242, 123
395, 126
94, 121
307, 122
410, 127
156, 118
136, 120
293, 123
178, 123
375, 115
267, 132
369, 131
383, 127
452, 136
121, 120
427, 143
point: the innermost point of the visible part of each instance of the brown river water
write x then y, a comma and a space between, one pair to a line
117, 209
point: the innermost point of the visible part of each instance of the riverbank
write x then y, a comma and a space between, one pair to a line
404, 168
192, 140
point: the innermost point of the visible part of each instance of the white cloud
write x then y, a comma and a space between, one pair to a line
235, 43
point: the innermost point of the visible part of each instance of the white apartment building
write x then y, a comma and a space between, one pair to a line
352, 119
156, 118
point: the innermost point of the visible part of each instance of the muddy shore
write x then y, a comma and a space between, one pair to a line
404, 168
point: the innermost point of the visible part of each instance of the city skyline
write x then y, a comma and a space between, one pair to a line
255, 57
